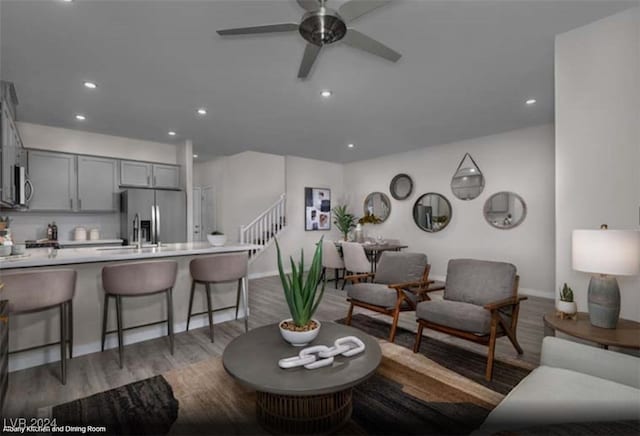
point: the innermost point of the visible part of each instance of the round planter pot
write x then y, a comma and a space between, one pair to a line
217, 240
568, 307
299, 339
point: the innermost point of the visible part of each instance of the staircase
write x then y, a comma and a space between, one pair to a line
263, 230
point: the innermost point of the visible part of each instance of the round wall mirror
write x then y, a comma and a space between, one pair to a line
505, 210
432, 212
468, 181
401, 187
377, 204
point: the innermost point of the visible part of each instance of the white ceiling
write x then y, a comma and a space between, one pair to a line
466, 70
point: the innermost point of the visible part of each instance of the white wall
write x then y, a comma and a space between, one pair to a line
598, 141
80, 142
521, 161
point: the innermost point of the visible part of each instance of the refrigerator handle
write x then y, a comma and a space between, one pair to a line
158, 225
153, 224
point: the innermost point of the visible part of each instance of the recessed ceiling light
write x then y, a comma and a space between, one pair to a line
531, 101
351, 145
202, 111
195, 156
67, 1
172, 133
90, 85
326, 93
80, 117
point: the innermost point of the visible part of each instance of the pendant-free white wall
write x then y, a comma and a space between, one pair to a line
598, 141
521, 161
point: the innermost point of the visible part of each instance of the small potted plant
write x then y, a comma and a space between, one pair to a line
217, 239
344, 220
303, 298
566, 304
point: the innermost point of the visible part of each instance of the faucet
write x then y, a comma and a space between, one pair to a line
136, 231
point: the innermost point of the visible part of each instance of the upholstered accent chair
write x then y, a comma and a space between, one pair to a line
331, 259
400, 282
480, 304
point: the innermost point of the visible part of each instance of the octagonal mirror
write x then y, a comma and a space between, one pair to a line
432, 212
378, 205
505, 210
468, 181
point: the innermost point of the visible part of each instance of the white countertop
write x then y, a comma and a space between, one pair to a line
70, 256
91, 242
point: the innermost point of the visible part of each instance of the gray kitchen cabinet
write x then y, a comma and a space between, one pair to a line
11, 146
97, 184
137, 174
54, 181
166, 176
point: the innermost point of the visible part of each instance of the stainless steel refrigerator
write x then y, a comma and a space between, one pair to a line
162, 215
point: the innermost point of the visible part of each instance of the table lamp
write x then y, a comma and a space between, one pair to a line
605, 253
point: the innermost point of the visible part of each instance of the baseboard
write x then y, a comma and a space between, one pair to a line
33, 358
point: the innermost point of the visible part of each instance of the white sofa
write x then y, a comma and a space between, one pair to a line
574, 383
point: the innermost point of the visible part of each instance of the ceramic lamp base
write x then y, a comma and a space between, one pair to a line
604, 301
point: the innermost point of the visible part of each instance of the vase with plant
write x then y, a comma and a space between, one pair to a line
217, 239
344, 220
566, 304
302, 296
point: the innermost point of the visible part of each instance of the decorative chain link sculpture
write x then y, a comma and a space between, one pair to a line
320, 356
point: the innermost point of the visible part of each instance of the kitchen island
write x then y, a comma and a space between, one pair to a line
30, 330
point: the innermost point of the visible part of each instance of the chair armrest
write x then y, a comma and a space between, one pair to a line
511, 301
355, 278
408, 285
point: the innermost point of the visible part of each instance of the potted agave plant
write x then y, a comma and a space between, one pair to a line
303, 298
217, 239
566, 304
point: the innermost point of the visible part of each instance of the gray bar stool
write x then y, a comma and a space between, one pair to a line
137, 279
220, 268
35, 291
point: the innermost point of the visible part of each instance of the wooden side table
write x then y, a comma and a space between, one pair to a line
626, 335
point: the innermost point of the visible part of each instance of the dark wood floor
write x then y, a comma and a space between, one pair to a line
33, 388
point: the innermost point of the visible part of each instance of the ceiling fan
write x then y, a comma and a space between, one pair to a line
322, 26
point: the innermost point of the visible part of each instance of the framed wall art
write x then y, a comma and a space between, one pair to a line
317, 209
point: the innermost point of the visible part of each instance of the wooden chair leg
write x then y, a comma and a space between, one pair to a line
344, 281
170, 318
70, 327
394, 323
193, 289
105, 314
418, 341
208, 290
63, 343
492, 348
119, 324
238, 291
511, 334
349, 314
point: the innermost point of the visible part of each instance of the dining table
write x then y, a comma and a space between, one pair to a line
373, 250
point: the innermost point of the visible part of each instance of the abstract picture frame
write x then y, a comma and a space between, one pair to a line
317, 209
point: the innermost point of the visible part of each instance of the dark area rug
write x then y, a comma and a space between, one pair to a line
146, 407
464, 362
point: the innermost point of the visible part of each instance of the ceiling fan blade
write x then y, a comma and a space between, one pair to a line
269, 28
363, 42
310, 5
356, 8
310, 54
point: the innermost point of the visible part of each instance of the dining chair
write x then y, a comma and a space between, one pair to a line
331, 259
355, 259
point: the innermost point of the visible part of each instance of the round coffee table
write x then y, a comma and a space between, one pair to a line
625, 335
300, 400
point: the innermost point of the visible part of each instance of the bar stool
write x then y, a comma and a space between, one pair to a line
36, 291
220, 268
137, 279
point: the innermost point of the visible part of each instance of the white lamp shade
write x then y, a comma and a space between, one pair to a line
613, 252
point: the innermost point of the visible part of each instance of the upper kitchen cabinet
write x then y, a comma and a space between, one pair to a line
54, 181
97, 184
136, 174
11, 151
148, 175
166, 176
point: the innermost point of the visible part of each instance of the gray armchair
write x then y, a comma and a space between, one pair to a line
400, 282
480, 304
